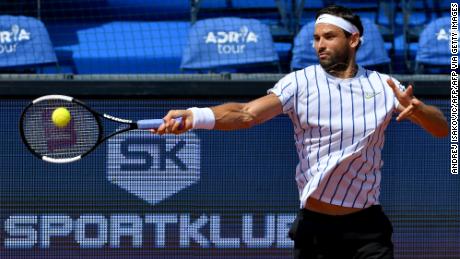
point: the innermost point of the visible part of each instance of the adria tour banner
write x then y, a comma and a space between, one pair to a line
24, 41
208, 194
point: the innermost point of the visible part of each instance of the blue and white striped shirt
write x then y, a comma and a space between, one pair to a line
339, 129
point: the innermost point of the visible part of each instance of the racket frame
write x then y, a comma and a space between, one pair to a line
100, 139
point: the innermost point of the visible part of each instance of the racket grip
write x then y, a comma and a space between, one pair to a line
153, 123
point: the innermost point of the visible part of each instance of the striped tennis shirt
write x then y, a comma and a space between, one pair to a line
339, 129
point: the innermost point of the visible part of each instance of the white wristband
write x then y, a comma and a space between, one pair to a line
203, 118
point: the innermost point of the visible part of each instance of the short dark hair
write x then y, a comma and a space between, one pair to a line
344, 13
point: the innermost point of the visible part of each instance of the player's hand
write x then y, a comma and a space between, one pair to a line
170, 125
409, 106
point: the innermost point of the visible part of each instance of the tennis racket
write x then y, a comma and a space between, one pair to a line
79, 137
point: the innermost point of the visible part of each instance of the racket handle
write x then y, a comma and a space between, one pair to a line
153, 123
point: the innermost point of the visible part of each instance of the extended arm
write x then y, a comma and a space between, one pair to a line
228, 116
427, 116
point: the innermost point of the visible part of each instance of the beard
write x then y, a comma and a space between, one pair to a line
335, 62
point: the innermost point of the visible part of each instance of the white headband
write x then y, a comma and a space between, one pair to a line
337, 21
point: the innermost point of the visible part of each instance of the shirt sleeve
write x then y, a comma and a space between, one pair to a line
285, 89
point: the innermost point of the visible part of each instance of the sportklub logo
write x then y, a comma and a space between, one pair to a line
153, 167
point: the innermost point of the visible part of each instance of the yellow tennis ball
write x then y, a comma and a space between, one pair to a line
61, 117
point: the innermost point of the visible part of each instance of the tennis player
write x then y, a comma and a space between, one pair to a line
340, 112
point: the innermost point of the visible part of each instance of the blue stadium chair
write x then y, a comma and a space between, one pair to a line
114, 10
441, 7
229, 44
382, 12
412, 17
161, 6
25, 45
123, 47
54, 10
152, 9
365, 8
274, 13
404, 54
371, 54
266, 8
433, 55
303, 52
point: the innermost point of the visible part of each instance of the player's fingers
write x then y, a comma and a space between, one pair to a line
175, 125
405, 113
391, 83
174, 114
409, 91
178, 125
416, 103
169, 116
162, 129
182, 126
393, 87
167, 124
172, 125
179, 131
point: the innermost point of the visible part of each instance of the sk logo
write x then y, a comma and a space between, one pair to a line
153, 167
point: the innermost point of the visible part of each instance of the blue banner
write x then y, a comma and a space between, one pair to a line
24, 41
212, 194
434, 44
228, 41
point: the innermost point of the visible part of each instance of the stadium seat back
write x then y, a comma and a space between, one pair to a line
228, 42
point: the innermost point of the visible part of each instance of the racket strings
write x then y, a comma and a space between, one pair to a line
78, 137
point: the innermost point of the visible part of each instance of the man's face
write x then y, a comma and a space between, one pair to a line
331, 45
